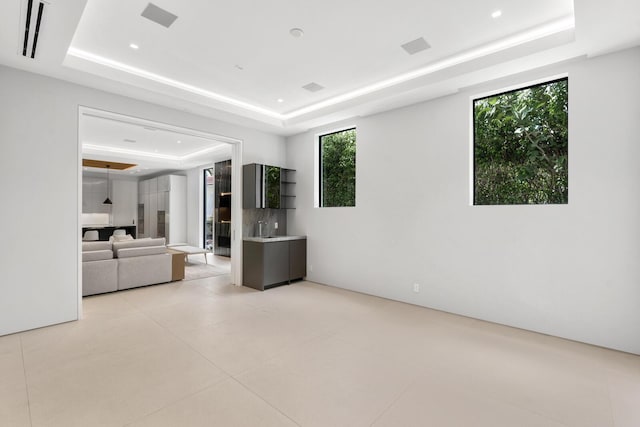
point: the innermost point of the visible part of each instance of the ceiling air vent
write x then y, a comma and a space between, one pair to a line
313, 87
33, 18
415, 46
159, 15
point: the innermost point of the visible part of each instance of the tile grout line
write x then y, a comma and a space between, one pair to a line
393, 402
229, 376
214, 383
171, 403
608, 382
264, 400
26, 383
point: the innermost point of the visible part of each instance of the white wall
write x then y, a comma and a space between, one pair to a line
567, 270
39, 146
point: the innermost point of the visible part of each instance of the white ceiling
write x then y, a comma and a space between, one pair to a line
352, 48
153, 147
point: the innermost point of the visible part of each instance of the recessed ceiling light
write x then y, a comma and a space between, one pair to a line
155, 151
296, 32
496, 14
134, 46
280, 100
179, 142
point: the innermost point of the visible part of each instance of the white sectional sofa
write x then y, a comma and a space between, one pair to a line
108, 267
142, 262
99, 269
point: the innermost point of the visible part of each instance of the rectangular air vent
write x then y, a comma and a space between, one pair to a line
159, 15
32, 21
415, 46
313, 87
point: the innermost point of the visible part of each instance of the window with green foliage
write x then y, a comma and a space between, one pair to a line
520, 146
338, 169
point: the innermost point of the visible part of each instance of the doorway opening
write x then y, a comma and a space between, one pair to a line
164, 157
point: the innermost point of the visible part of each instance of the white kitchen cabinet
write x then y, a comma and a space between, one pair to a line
124, 194
163, 183
143, 187
165, 208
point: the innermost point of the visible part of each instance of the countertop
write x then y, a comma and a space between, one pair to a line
273, 239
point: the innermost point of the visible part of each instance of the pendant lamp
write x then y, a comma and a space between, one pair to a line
107, 201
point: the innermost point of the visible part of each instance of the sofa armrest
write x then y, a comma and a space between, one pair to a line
96, 255
99, 277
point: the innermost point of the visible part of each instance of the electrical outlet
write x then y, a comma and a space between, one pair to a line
416, 287
276, 225
310, 268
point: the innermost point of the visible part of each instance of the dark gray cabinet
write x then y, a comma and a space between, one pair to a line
267, 186
297, 259
271, 263
252, 186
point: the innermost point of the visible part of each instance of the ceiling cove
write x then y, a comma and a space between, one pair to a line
84, 47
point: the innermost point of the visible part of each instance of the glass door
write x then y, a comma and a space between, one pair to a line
209, 199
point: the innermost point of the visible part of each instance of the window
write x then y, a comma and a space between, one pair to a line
520, 146
338, 168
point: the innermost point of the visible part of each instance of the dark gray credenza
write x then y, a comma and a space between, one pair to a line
269, 262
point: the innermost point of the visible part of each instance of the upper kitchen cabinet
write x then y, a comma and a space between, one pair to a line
267, 187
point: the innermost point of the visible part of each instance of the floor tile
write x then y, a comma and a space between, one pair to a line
431, 400
224, 404
111, 377
14, 404
307, 354
245, 342
625, 396
329, 382
198, 312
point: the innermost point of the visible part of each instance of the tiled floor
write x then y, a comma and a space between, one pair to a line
217, 260
204, 353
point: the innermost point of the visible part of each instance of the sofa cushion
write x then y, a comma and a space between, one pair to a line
138, 243
97, 255
120, 238
149, 250
144, 270
96, 246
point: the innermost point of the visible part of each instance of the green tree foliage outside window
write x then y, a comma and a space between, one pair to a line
338, 169
521, 146
273, 186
